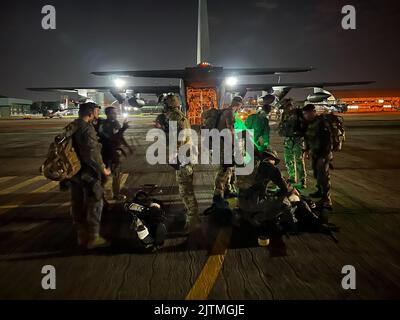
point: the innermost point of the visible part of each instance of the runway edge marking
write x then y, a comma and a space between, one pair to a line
5, 179
43, 189
209, 274
48, 186
21, 185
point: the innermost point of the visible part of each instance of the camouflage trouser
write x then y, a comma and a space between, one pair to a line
112, 185
86, 205
231, 186
320, 166
225, 181
294, 158
184, 178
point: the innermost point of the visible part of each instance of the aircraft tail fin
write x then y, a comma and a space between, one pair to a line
203, 37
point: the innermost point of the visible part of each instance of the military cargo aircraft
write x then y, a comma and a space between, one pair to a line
201, 87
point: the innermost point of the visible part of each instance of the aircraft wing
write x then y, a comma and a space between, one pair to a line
269, 86
136, 89
286, 87
280, 90
263, 71
178, 73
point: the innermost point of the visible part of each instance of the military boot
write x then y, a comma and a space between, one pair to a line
192, 223
97, 241
325, 202
82, 238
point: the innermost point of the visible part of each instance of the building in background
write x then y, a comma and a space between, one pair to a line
11, 107
373, 100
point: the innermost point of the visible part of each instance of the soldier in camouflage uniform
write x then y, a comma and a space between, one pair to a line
256, 206
225, 178
86, 186
112, 139
184, 172
319, 144
292, 128
259, 122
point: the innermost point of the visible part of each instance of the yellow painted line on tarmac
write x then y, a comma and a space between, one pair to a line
123, 179
5, 179
47, 187
32, 206
21, 185
43, 189
209, 274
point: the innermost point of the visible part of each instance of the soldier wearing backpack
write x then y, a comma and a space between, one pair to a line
319, 144
183, 171
111, 135
86, 185
225, 178
292, 129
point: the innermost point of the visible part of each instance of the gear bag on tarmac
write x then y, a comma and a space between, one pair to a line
62, 161
338, 134
148, 219
302, 216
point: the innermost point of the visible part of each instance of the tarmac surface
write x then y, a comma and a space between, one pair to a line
213, 263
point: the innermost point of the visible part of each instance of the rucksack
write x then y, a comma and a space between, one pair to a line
338, 133
210, 118
62, 161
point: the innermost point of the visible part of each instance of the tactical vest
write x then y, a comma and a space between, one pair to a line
174, 114
291, 125
312, 134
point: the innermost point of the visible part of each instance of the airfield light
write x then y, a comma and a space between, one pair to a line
231, 81
381, 101
125, 115
119, 83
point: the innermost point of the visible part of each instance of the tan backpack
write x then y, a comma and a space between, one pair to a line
337, 130
210, 118
62, 161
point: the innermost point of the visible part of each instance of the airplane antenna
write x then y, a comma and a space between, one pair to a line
203, 38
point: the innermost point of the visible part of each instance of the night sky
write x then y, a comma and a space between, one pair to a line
159, 34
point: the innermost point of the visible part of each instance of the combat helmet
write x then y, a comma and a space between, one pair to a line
171, 101
266, 153
268, 99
